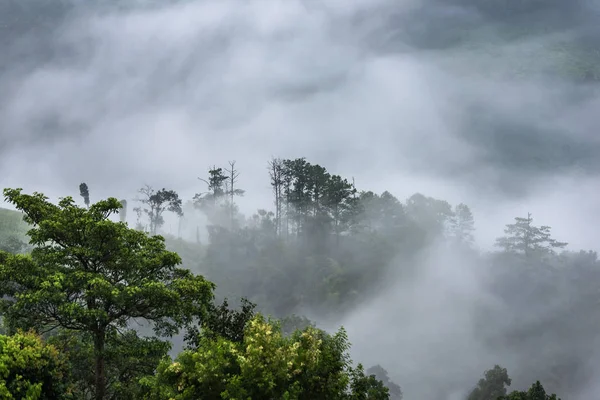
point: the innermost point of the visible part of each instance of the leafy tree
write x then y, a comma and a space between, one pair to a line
462, 225
128, 358
298, 197
157, 202
340, 200
430, 214
293, 323
535, 392
366, 387
309, 364
221, 321
314, 203
31, 369
210, 202
216, 188
92, 275
382, 213
492, 385
525, 238
85, 193
382, 375
263, 224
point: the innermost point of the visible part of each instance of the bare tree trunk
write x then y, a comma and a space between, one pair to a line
233, 175
276, 172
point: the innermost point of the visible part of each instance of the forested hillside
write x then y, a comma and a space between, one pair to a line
328, 287
324, 249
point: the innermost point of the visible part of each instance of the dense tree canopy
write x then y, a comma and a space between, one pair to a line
310, 364
325, 248
91, 275
31, 369
492, 386
89, 306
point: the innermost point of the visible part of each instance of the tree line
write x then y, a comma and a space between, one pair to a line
325, 247
67, 309
309, 204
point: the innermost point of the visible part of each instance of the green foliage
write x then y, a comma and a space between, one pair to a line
155, 203
462, 225
88, 272
325, 249
309, 364
31, 369
311, 202
217, 203
381, 213
365, 387
432, 214
492, 386
535, 392
221, 321
381, 374
525, 238
216, 190
128, 357
293, 323
92, 275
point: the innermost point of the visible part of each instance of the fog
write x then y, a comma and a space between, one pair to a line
444, 98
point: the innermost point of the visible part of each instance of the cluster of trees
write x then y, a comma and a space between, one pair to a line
69, 305
328, 246
494, 386
68, 309
325, 244
325, 248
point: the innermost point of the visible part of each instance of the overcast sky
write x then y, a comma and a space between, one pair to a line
407, 96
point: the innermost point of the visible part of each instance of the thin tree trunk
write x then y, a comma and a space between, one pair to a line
99, 341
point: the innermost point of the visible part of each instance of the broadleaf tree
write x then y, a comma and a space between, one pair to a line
89, 274
222, 321
31, 369
129, 357
156, 203
309, 364
492, 386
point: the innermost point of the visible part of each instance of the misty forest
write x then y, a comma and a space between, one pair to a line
426, 230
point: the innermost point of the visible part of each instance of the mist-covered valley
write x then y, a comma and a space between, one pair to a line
422, 173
